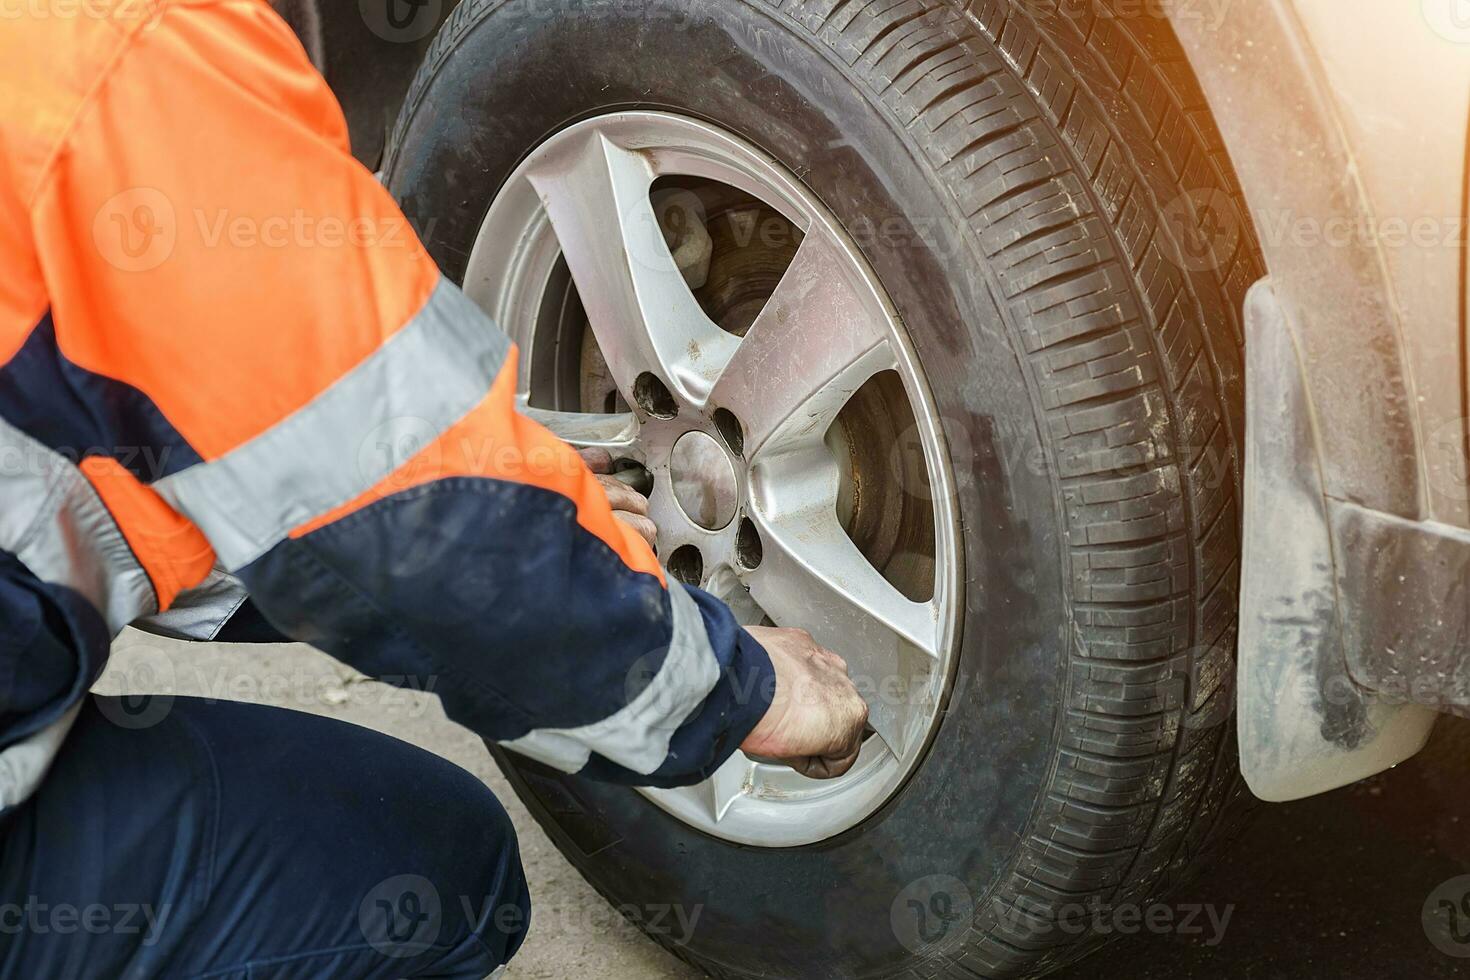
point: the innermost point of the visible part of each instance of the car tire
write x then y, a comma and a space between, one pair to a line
1038, 187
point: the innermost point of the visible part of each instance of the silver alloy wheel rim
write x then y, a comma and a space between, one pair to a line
585, 194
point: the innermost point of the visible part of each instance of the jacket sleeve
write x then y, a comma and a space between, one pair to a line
234, 294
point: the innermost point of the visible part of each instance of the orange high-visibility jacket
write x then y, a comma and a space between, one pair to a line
225, 357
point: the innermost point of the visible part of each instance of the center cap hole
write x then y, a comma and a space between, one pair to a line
704, 480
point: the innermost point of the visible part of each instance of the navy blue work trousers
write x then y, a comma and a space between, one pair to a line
238, 841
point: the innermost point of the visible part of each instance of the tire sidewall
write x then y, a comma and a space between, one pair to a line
853, 906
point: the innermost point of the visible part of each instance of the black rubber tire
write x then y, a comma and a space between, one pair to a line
1019, 175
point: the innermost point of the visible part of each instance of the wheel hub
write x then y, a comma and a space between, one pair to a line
684, 302
705, 484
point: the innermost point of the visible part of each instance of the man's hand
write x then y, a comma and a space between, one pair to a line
816, 720
628, 505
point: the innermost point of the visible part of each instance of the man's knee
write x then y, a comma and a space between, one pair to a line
404, 848
500, 913
466, 912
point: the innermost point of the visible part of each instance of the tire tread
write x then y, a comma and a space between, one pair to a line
1140, 398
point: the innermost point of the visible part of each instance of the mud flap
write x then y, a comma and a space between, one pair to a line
1305, 726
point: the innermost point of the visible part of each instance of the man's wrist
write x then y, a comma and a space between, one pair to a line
757, 687
711, 734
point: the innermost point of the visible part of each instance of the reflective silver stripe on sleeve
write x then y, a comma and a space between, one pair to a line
424, 378
201, 612
637, 737
24, 764
53, 521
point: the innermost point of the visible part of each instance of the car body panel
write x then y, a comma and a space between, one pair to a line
1346, 123
1398, 75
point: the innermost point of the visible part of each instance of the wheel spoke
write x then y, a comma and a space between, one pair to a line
821, 335
730, 782
727, 587
813, 576
615, 433
641, 310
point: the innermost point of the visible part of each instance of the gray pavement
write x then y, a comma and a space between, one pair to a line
1331, 887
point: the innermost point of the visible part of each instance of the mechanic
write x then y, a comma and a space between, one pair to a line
229, 366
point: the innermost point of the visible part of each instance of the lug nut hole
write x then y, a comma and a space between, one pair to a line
749, 551
686, 565
730, 428
634, 474
653, 396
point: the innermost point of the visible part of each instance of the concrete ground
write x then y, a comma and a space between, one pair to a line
1333, 886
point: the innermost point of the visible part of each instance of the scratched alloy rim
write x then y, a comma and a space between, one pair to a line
682, 300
